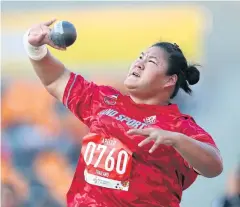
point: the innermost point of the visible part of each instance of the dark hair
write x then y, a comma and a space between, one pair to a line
177, 64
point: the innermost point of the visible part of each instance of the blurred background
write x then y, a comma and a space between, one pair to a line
41, 140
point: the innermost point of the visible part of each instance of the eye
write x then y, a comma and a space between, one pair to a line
140, 57
151, 61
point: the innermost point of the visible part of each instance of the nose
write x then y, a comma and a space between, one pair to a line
140, 65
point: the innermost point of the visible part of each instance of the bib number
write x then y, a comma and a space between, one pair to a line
108, 162
122, 157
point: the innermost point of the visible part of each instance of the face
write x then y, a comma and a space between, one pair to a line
147, 75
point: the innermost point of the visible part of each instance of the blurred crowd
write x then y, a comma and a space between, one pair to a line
40, 146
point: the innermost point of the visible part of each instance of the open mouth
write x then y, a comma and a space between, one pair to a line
135, 74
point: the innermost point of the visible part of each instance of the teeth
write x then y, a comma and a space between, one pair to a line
135, 74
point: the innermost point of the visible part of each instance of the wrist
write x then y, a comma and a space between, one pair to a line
35, 53
178, 139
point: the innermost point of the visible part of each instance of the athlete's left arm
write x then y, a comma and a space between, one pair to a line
198, 148
194, 144
203, 157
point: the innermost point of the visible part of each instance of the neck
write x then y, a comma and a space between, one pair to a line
156, 100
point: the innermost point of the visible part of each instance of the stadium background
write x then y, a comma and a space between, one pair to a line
41, 140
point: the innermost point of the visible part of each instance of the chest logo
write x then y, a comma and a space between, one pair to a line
150, 120
111, 100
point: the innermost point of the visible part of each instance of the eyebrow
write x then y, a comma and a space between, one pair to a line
142, 53
153, 57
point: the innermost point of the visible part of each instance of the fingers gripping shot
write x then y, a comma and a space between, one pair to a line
141, 150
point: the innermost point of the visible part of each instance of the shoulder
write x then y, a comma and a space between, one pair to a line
106, 94
99, 88
185, 119
108, 90
187, 125
78, 87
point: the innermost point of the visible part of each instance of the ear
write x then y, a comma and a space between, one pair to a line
171, 80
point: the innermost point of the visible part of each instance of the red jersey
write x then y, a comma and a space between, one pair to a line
112, 170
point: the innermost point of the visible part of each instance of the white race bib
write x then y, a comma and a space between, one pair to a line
108, 162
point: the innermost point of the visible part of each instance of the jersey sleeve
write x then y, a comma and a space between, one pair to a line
190, 128
78, 97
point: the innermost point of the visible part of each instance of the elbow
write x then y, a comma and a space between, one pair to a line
214, 169
219, 168
214, 166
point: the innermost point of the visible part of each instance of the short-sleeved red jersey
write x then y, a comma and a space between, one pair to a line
112, 170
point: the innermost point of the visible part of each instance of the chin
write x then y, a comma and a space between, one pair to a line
131, 89
129, 85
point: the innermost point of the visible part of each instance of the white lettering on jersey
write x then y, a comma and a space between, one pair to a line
132, 123
108, 112
110, 141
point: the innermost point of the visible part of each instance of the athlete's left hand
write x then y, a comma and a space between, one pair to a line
158, 136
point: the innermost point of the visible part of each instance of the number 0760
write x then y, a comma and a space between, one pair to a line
109, 163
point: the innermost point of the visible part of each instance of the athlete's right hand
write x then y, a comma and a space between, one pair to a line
40, 35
